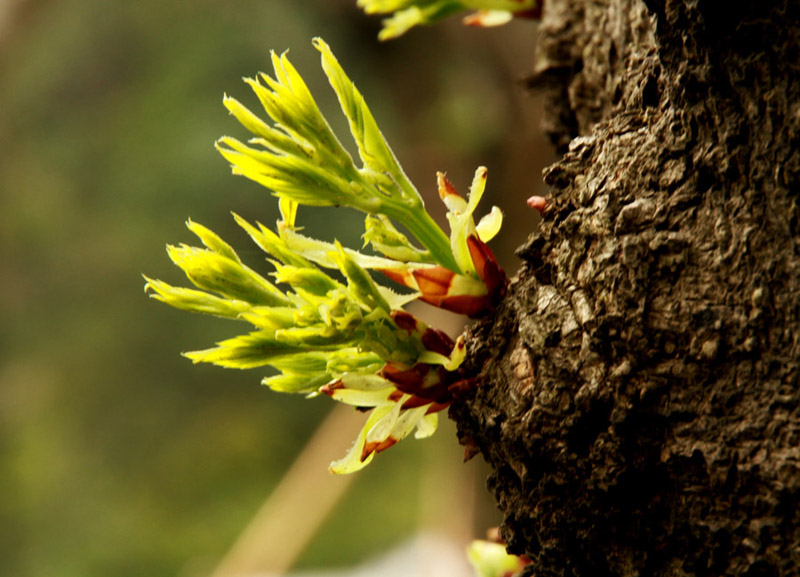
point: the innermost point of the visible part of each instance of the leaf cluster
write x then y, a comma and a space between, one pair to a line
321, 320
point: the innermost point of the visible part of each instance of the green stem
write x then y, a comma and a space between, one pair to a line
407, 208
427, 232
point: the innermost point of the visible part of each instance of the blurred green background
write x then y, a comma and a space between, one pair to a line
117, 456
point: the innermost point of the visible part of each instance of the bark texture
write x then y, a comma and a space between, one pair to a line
638, 397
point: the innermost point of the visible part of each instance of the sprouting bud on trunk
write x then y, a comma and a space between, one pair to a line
332, 328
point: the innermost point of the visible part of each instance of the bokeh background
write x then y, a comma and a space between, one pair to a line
117, 456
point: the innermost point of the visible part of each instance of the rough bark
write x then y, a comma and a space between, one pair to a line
638, 398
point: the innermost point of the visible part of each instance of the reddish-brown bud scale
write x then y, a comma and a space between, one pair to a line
330, 388
402, 277
471, 306
426, 381
470, 447
415, 402
446, 187
405, 321
437, 341
405, 378
532, 14
470, 451
436, 407
433, 339
434, 286
376, 447
462, 388
434, 282
488, 269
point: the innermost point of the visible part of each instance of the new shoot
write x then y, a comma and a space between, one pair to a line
332, 328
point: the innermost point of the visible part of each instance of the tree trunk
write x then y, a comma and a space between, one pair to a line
638, 397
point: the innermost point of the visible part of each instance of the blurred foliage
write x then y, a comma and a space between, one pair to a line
117, 456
